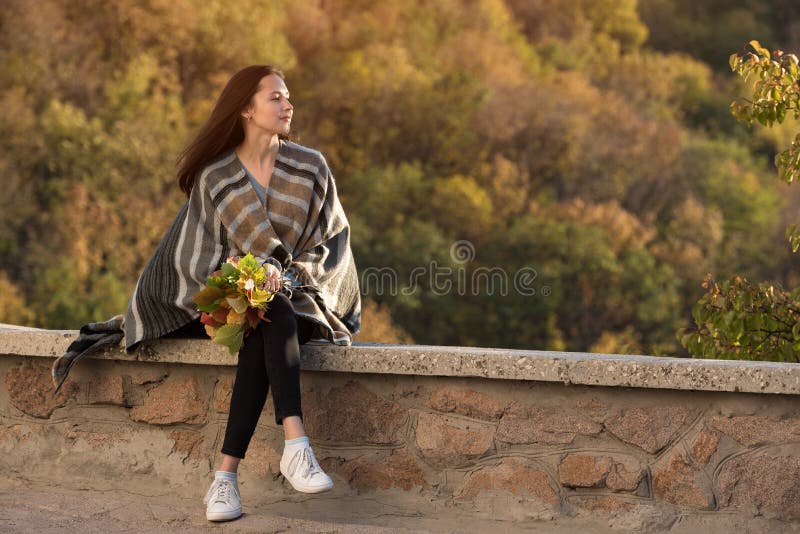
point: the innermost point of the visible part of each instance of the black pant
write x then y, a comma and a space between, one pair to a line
270, 354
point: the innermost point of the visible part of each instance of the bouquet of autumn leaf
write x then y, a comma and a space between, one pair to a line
234, 300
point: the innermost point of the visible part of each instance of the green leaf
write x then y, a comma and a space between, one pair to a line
231, 336
229, 271
248, 263
207, 299
781, 112
217, 281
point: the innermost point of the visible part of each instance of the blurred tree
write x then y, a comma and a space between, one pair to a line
378, 326
13, 308
575, 33
682, 85
707, 29
536, 131
624, 342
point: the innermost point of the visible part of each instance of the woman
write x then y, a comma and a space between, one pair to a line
250, 189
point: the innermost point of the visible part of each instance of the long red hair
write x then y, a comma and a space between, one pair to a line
223, 130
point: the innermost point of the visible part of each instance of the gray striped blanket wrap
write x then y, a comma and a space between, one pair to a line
302, 225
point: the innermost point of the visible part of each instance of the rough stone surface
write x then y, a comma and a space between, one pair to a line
466, 402
624, 477
221, 402
263, 457
769, 481
448, 441
594, 471
705, 445
97, 440
13, 436
176, 400
107, 389
147, 375
593, 408
187, 444
523, 423
30, 390
677, 481
399, 470
513, 476
754, 430
648, 428
606, 504
651, 519
352, 413
584, 471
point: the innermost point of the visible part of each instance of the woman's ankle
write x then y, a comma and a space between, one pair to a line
293, 427
229, 463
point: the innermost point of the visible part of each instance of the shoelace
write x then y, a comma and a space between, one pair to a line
222, 493
308, 462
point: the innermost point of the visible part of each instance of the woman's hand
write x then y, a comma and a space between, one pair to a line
273, 277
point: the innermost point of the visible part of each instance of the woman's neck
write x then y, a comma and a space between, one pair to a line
260, 151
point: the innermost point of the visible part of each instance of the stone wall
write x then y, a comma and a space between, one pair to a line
505, 449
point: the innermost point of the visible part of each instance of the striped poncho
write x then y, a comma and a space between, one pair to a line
303, 226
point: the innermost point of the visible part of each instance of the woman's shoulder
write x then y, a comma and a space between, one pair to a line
303, 157
224, 165
222, 170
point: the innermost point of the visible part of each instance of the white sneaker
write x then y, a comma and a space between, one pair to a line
222, 501
304, 473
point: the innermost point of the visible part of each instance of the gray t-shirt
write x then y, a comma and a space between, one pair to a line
260, 190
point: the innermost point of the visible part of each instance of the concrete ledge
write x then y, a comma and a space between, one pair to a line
546, 366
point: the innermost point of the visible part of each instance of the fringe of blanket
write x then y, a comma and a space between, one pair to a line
91, 337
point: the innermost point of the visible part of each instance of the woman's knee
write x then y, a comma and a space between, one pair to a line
280, 307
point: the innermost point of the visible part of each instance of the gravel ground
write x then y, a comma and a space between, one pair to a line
44, 510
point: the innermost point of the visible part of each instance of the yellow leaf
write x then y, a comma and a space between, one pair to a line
239, 304
234, 317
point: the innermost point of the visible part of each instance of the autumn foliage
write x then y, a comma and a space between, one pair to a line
571, 137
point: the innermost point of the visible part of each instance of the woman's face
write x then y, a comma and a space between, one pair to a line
270, 109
